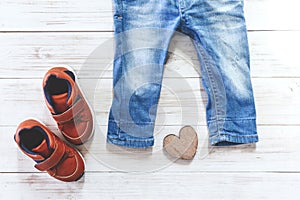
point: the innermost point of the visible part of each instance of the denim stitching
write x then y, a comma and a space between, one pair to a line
120, 11
211, 80
205, 66
234, 135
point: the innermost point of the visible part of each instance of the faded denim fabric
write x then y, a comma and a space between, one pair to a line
143, 30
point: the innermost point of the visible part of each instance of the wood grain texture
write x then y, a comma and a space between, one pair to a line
78, 15
154, 186
29, 55
277, 151
36, 35
182, 101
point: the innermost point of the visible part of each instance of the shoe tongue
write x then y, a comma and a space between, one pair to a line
42, 149
60, 102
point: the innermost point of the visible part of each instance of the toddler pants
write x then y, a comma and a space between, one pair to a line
143, 30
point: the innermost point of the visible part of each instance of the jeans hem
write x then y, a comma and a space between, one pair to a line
127, 138
229, 132
232, 139
132, 143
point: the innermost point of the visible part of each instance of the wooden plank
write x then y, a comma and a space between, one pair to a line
269, 169
181, 102
277, 151
154, 186
78, 15
29, 55
264, 15
58, 15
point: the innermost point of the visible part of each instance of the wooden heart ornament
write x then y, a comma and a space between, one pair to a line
184, 146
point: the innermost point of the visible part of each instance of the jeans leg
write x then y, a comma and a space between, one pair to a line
220, 37
143, 30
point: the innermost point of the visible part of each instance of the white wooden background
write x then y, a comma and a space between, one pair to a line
38, 34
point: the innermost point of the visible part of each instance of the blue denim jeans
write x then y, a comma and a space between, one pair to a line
143, 31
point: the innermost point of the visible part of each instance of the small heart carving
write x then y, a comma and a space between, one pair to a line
184, 146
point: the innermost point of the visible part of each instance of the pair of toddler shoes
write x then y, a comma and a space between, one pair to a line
74, 118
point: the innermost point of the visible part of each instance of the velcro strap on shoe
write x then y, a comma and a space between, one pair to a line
54, 158
69, 114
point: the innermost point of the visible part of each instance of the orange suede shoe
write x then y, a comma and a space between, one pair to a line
49, 152
67, 105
